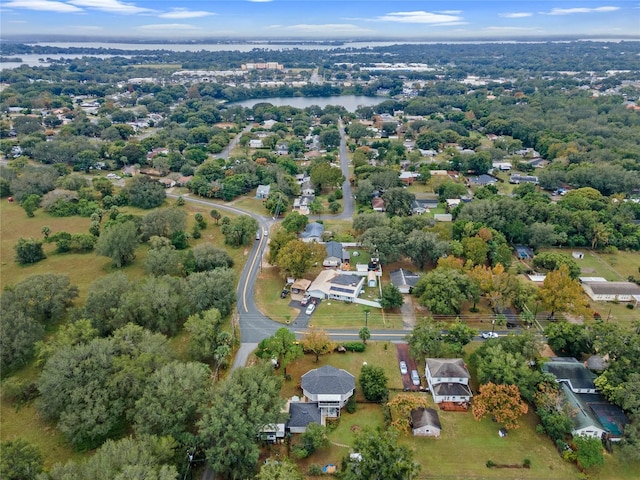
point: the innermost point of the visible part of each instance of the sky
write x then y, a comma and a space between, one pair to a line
324, 19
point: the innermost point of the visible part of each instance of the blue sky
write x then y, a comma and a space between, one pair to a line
189, 19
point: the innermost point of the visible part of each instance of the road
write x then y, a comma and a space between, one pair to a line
232, 144
347, 196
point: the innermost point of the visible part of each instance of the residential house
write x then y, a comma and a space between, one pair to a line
301, 414
302, 203
573, 373
312, 232
407, 178
482, 180
425, 422
448, 380
282, 149
262, 192
268, 124
255, 143
377, 204
516, 178
604, 291
301, 285
337, 285
502, 166
330, 387
405, 280
584, 421
336, 255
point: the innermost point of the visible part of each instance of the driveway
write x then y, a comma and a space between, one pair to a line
403, 355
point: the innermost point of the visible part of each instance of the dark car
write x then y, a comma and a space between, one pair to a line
284, 293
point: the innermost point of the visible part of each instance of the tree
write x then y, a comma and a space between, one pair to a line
163, 222
382, 457
312, 439
330, 138
373, 382
425, 341
550, 261
279, 470
147, 457
76, 333
391, 297
171, 399
294, 222
104, 299
475, 250
560, 293
296, 257
501, 402
385, 240
443, 291
277, 203
118, 242
423, 247
208, 257
216, 215
324, 175
240, 231
398, 202
401, 407
31, 204
460, 333
29, 251
318, 342
568, 339
364, 334
279, 239
281, 346
18, 334
203, 329
241, 407
163, 261
145, 192
589, 452
20, 460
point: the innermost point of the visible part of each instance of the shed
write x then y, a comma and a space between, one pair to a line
425, 422
577, 255
372, 280
300, 285
263, 191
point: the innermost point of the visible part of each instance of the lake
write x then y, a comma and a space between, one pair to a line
350, 102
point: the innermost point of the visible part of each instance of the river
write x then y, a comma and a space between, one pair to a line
350, 102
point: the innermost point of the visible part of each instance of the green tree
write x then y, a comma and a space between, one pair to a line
398, 202
385, 240
163, 222
297, 257
279, 470
568, 339
18, 334
281, 346
550, 261
211, 289
76, 333
20, 460
424, 247
324, 176
294, 222
145, 192
382, 457
443, 291
364, 334
208, 257
277, 203
163, 261
460, 333
391, 297
29, 251
104, 299
31, 204
240, 231
560, 293
589, 452
170, 400
203, 329
312, 439
242, 406
279, 239
426, 341
118, 242
373, 382
216, 215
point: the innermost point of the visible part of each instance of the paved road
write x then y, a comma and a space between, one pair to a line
347, 196
232, 144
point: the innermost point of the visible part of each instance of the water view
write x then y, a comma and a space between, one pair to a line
349, 102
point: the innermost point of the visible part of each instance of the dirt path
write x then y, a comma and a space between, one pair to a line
408, 313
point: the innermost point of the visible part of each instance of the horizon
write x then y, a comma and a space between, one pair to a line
194, 21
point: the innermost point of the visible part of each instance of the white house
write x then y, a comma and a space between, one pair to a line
584, 421
330, 387
611, 291
425, 422
448, 380
336, 285
257, 143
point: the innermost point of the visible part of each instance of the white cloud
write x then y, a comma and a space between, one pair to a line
42, 5
515, 15
420, 17
328, 28
570, 11
168, 26
184, 13
111, 6
450, 12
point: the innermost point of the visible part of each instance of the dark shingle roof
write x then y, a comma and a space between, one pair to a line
422, 417
447, 367
303, 413
572, 371
404, 277
452, 389
328, 380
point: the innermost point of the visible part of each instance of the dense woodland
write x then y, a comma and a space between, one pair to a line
104, 369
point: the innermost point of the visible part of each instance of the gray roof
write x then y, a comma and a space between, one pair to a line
328, 380
572, 371
483, 179
302, 414
582, 415
313, 229
447, 367
334, 249
404, 277
614, 288
452, 389
350, 280
423, 417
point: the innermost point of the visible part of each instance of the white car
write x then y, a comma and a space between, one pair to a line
403, 368
310, 309
489, 335
415, 378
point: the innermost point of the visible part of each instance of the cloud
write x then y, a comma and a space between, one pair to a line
111, 6
421, 17
571, 11
515, 15
513, 29
184, 13
450, 12
329, 28
42, 5
168, 26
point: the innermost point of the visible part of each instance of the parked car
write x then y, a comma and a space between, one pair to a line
310, 309
415, 378
486, 335
403, 368
284, 293
304, 300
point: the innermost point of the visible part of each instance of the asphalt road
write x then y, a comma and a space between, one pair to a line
347, 196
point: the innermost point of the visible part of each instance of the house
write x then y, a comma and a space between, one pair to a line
443, 217
502, 166
482, 180
425, 422
336, 285
405, 280
611, 291
448, 380
584, 421
282, 149
330, 387
312, 232
167, 182
256, 143
336, 255
301, 414
573, 373
377, 204
263, 191
302, 203
407, 178
517, 179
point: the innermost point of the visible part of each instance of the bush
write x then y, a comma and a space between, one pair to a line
315, 470
490, 464
630, 306
526, 463
351, 405
355, 346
